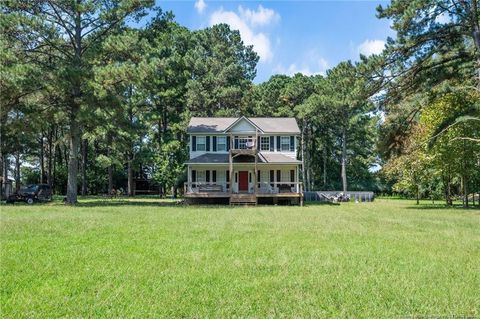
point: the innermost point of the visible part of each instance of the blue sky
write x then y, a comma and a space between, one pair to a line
293, 36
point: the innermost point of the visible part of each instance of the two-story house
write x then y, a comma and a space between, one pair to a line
243, 161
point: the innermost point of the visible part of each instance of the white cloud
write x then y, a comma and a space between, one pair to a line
369, 47
312, 64
262, 16
247, 21
200, 6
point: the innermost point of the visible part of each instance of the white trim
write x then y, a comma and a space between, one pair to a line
238, 120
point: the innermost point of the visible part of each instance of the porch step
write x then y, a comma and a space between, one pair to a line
243, 199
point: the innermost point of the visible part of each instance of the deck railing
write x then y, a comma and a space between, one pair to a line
262, 187
279, 187
243, 143
206, 187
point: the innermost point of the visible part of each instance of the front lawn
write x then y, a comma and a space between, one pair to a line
140, 258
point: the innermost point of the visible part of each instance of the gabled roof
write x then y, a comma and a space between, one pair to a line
264, 124
209, 124
246, 119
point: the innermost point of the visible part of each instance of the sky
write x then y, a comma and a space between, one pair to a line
293, 36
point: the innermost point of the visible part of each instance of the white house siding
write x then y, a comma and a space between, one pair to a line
243, 126
194, 154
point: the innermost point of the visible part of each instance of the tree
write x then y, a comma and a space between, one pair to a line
344, 91
222, 71
436, 40
68, 33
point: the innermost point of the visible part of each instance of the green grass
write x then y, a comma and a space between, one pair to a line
140, 258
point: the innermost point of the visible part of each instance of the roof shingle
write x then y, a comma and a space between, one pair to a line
266, 124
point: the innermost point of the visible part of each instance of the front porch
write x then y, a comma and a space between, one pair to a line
264, 192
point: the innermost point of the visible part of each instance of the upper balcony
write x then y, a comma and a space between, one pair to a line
243, 145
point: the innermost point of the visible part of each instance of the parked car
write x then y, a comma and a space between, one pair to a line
32, 193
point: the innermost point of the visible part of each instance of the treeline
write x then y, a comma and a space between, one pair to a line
429, 78
91, 104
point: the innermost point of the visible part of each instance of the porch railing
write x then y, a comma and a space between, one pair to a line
206, 187
279, 187
262, 187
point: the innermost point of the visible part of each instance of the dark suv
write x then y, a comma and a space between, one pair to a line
32, 193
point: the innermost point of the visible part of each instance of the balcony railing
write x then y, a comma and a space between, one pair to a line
262, 187
243, 143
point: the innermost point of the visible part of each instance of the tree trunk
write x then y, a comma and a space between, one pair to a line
17, 171
418, 195
110, 167
324, 167
303, 156
56, 151
344, 160
42, 160
50, 160
448, 195
73, 160
84, 166
465, 191
130, 176
175, 191
72, 187
5, 166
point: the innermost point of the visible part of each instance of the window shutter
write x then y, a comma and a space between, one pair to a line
292, 176
214, 143
258, 176
279, 176
272, 176
292, 143
228, 143
207, 176
214, 176
259, 147
236, 143
272, 143
194, 143
194, 175
228, 176
279, 147
207, 147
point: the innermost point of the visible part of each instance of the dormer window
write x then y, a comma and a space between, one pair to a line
201, 141
221, 143
285, 143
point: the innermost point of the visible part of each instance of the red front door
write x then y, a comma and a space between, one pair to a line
243, 181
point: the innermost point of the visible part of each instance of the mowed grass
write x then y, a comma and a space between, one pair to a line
140, 258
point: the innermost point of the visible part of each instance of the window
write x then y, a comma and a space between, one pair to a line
200, 176
285, 143
200, 143
244, 143
221, 144
264, 143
